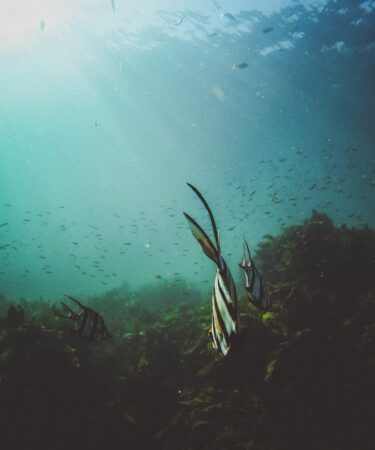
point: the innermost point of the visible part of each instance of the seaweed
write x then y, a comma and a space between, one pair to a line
320, 256
300, 375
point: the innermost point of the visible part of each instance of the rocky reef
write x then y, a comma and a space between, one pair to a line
301, 375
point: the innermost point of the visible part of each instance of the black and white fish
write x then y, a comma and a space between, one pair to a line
225, 325
87, 323
254, 284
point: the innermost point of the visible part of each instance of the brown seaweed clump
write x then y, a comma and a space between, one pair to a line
300, 376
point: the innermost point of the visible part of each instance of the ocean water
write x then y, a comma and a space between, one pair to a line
107, 109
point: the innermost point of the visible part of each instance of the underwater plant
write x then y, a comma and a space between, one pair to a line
301, 375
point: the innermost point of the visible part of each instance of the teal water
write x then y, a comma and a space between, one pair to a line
105, 114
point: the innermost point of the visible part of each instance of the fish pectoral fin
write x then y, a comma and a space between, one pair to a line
204, 241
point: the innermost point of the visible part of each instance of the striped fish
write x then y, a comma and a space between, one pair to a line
87, 323
224, 326
254, 284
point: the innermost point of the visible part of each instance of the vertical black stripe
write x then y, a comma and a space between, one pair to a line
89, 324
94, 326
228, 306
82, 325
220, 320
230, 285
101, 329
81, 318
227, 280
252, 271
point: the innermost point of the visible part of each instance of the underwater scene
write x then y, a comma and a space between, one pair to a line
187, 224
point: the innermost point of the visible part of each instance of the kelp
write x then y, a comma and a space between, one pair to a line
320, 256
300, 375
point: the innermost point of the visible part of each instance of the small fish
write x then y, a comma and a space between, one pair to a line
87, 323
240, 66
179, 21
113, 6
4, 224
42, 24
267, 30
224, 322
254, 285
229, 16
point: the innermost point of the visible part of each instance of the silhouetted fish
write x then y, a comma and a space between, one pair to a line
88, 323
229, 16
179, 21
253, 281
240, 66
224, 325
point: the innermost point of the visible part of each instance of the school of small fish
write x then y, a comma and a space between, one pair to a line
276, 202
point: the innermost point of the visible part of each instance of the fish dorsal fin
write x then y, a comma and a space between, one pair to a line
246, 250
205, 242
247, 256
246, 263
76, 301
213, 224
